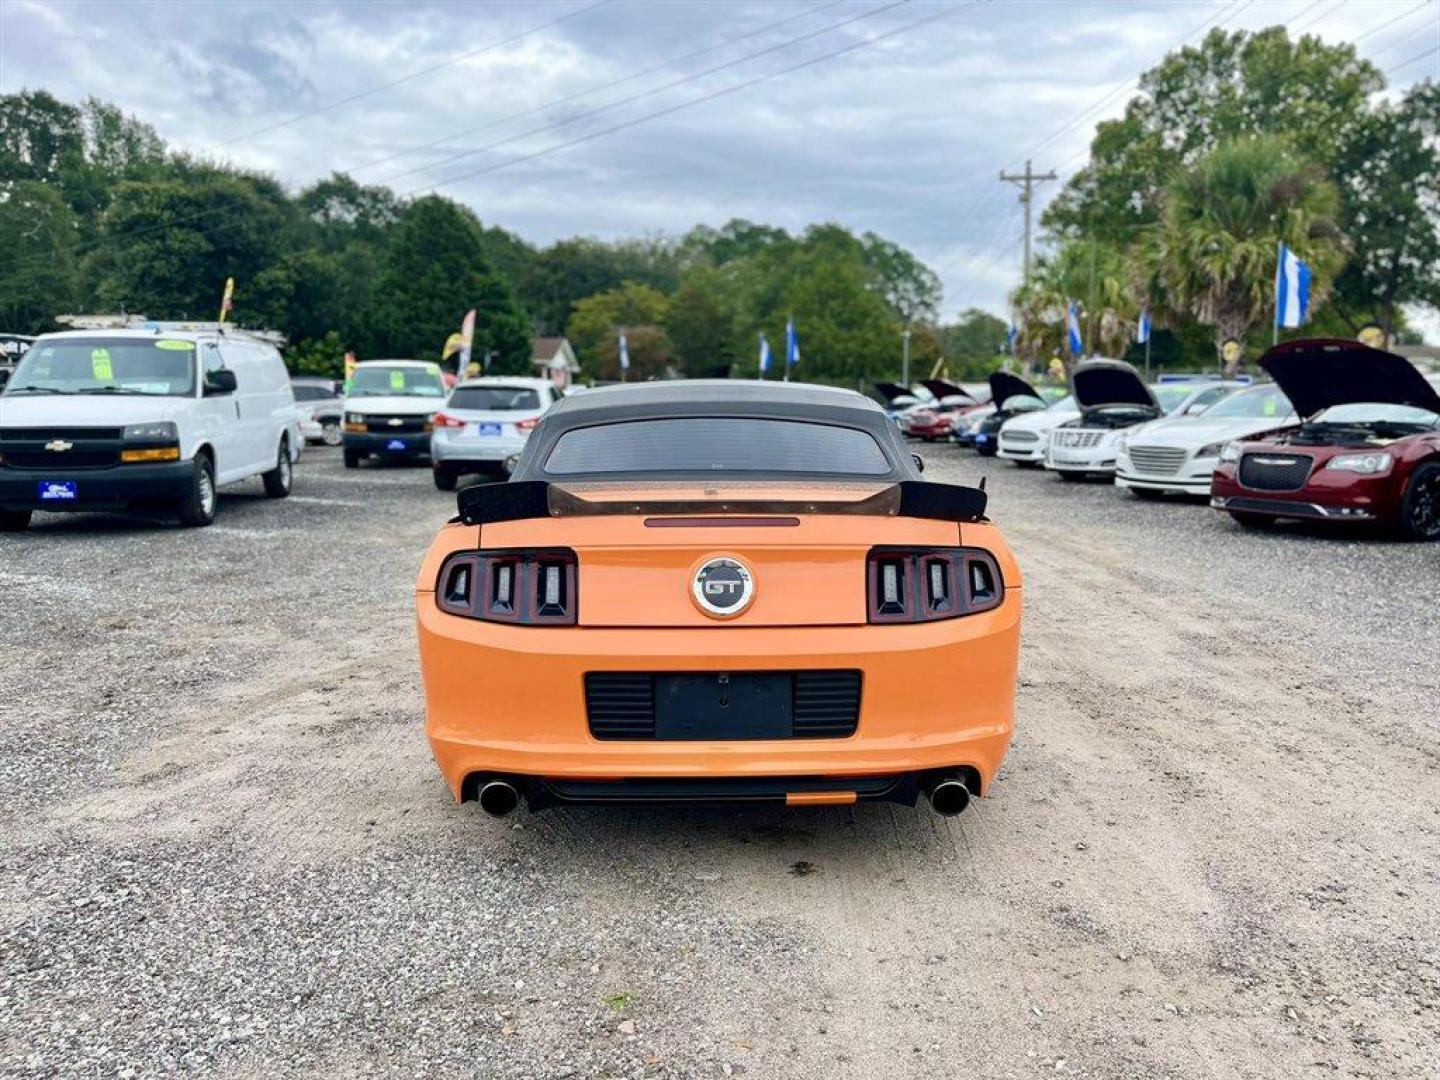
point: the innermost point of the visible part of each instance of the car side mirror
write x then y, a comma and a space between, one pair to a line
919, 462
220, 381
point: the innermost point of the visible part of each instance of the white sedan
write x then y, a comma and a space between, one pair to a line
1179, 454
1023, 438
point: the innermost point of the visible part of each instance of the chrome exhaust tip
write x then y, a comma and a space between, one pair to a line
948, 796
498, 798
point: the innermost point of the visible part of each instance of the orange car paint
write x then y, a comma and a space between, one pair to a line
508, 699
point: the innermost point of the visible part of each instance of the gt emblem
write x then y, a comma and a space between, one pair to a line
59, 446
395, 421
723, 587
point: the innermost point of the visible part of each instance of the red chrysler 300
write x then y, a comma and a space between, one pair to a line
1368, 449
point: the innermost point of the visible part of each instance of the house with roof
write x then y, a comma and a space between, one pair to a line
554, 359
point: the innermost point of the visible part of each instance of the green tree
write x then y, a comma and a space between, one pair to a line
910, 288
569, 271
39, 276
1090, 273
1213, 255
1389, 179
637, 310
701, 323
1232, 85
435, 270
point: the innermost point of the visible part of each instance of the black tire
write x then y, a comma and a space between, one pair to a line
279, 479
1420, 508
1147, 494
330, 433
1253, 521
199, 507
445, 480
352, 459
14, 520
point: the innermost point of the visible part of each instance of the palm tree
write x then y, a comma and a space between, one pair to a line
1212, 255
1094, 275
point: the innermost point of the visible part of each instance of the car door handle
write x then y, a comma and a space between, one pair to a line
237, 410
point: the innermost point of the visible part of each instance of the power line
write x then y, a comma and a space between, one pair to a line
546, 106
1391, 22
646, 93
451, 62
1418, 56
702, 99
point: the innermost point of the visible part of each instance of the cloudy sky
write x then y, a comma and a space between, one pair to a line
625, 117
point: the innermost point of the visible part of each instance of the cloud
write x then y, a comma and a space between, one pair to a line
903, 137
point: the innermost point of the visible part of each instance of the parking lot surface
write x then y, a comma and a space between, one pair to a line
1214, 850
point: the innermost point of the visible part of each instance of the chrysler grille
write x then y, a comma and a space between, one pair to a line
1157, 460
1274, 472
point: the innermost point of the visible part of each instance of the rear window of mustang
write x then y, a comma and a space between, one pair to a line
717, 444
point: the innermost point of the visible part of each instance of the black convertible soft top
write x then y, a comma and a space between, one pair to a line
534, 492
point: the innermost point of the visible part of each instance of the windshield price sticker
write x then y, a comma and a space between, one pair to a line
100, 365
176, 346
397, 380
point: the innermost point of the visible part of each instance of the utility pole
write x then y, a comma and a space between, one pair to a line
905, 358
1027, 182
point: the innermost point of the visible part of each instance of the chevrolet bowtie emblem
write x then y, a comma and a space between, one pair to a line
59, 446
395, 421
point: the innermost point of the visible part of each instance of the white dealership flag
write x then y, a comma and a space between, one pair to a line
1292, 289
624, 353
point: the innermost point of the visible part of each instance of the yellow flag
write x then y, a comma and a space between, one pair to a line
227, 302
453, 344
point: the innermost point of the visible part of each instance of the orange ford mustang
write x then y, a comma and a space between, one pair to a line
718, 591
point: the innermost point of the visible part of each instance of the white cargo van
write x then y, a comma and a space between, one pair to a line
143, 417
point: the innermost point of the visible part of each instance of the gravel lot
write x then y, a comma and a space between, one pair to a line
1214, 851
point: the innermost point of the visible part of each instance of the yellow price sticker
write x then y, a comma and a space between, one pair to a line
100, 366
397, 380
176, 346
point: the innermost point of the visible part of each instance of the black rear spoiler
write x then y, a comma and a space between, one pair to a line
520, 500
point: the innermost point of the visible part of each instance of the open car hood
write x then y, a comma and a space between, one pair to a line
1004, 386
1109, 382
1322, 372
890, 391
942, 389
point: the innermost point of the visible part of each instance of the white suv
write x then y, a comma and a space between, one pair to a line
485, 424
154, 415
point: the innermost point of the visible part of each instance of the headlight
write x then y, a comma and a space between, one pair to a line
1213, 449
1229, 452
354, 418
1369, 464
161, 431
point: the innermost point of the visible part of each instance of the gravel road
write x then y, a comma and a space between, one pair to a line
1214, 851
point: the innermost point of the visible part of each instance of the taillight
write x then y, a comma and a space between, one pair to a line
923, 584
529, 588
441, 420
527, 425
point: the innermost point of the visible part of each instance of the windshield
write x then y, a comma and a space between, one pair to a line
1023, 403
1064, 403
1172, 395
1369, 412
312, 393
1256, 404
158, 367
385, 381
495, 398
717, 444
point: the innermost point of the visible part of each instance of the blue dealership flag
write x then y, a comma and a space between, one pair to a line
1010, 336
1072, 326
792, 344
764, 355
624, 353
1142, 329
1292, 289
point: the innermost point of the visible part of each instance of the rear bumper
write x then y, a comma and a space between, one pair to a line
458, 450
510, 700
405, 444
116, 488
